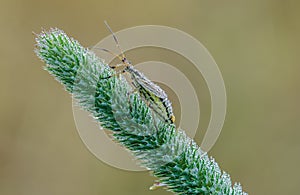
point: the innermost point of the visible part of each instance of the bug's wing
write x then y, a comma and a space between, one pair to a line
151, 87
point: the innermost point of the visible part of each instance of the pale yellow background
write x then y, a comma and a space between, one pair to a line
255, 43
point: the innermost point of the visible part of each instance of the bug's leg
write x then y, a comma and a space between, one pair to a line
133, 91
115, 74
154, 110
153, 118
154, 121
147, 102
128, 97
115, 66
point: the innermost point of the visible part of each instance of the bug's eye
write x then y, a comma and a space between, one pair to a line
124, 60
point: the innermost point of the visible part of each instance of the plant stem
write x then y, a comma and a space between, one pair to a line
168, 153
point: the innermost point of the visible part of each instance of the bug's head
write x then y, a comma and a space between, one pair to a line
125, 61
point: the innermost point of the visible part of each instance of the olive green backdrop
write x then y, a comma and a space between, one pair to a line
255, 43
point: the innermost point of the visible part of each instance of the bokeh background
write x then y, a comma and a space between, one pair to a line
255, 43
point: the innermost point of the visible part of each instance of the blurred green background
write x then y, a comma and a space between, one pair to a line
255, 43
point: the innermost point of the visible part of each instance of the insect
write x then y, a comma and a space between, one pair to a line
155, 97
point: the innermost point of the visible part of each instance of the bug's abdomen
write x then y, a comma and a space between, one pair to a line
161, 106
169, 110
154, 96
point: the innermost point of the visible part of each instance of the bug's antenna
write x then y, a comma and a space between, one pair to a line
108, 51
115, 38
